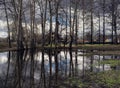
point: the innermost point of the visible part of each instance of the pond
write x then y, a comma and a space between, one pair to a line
58, 69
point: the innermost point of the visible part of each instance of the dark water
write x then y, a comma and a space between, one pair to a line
48, 68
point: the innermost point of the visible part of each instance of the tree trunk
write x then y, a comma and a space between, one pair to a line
92, 1
83, 13
9, 41
103, 21
20, 30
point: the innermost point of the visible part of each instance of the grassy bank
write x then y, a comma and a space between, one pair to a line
106, 79
102, 79
106, 47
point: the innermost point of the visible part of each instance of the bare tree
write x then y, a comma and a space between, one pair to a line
32, 23
83, 13
20, 29
76, 21
5, 7
103, 21
114, 20
99, 28
50, 11
57, 4
92, 27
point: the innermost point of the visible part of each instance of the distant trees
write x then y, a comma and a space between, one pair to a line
114, 7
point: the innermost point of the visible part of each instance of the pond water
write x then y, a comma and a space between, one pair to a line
52, 68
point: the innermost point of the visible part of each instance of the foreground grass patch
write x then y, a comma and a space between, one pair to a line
106, 79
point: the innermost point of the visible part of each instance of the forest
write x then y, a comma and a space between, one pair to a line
54, 22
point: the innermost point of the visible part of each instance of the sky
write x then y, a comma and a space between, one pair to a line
3, 29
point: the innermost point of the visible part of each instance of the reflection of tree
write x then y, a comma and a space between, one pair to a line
66, 67
18, 69
50, 66
7, 74
76, 62
53, 67
91, 63
32, 67
43, 71
71, 72
83, 63
56, 66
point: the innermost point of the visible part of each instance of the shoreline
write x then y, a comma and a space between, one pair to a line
101, 47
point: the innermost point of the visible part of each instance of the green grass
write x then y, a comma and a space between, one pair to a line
106, 79
111, 62
71, 82
89, 46
79, 46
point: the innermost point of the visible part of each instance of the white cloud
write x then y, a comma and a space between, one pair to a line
3, 34
3, 25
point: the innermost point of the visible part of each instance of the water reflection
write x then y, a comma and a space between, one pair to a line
3, 57
46, 68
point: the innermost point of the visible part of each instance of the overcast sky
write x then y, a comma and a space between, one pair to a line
3, 29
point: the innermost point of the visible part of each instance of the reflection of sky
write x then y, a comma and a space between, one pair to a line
63, 63
3, 58
62, 21
3, 63
3, 29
